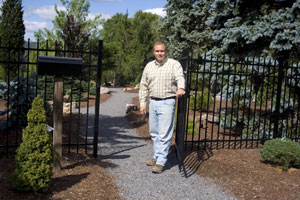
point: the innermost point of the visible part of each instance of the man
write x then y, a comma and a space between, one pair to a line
162, 80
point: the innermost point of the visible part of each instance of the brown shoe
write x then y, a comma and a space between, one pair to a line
157, 169
151, 162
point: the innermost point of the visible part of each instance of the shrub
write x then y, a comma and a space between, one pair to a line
45, 87
280, 152
76, 87
21, 92
93, 91
75, 96
203, 102
35, 155
93, 84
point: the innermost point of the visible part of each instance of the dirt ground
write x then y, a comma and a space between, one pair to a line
242, 172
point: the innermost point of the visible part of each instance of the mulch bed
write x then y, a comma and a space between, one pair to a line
81, 177
242, 172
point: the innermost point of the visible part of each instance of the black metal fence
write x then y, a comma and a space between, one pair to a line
20, 83
240, 103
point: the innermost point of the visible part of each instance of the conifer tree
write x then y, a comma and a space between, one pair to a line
12, 31
35, 155
240, 28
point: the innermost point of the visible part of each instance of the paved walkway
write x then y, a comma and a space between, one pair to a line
126, 152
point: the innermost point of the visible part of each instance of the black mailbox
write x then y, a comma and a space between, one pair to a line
60, 66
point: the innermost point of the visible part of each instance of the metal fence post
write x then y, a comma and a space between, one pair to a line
281, 60
181, 115
97, 106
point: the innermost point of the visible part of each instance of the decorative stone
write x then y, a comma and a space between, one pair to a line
128, 89
104, 90
66, 107
131, 107
66, 98
201, 122
218, 98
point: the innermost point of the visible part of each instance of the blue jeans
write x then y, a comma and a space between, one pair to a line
161, 125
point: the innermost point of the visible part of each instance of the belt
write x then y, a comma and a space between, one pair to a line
161, 99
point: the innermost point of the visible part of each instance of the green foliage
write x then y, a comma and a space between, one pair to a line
21, 92
72, 27
203, 101
93, 84
74, 85
247, 31
12, 31
128, 46
93, 91
192, 128
77, 87
246, 84
258, 27
46, 84
35, 155
184, 25
283, 153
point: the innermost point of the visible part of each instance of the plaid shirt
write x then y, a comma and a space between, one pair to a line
161, 80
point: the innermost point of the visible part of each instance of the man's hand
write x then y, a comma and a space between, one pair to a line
180, 92
143, 110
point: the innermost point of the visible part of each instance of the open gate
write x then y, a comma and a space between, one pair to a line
181, 115
237, 103
21, 84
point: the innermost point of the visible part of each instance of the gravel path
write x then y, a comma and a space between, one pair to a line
120, 145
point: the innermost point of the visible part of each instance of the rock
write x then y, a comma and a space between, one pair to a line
66, 107
201, 122
127, 89
215, 88
107, 84
67, 98
75, 105
131, 107
104, 90
218, 98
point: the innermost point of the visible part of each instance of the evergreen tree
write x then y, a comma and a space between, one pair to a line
259, 27
184, 25
236, 27
12, 31
241, 28
35, 155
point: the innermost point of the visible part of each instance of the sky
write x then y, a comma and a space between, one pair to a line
38, 14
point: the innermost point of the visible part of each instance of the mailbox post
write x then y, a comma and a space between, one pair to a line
58, 67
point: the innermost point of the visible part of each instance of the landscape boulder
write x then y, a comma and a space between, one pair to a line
104, 90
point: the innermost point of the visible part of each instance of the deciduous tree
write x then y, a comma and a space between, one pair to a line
128, 45
72, 25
